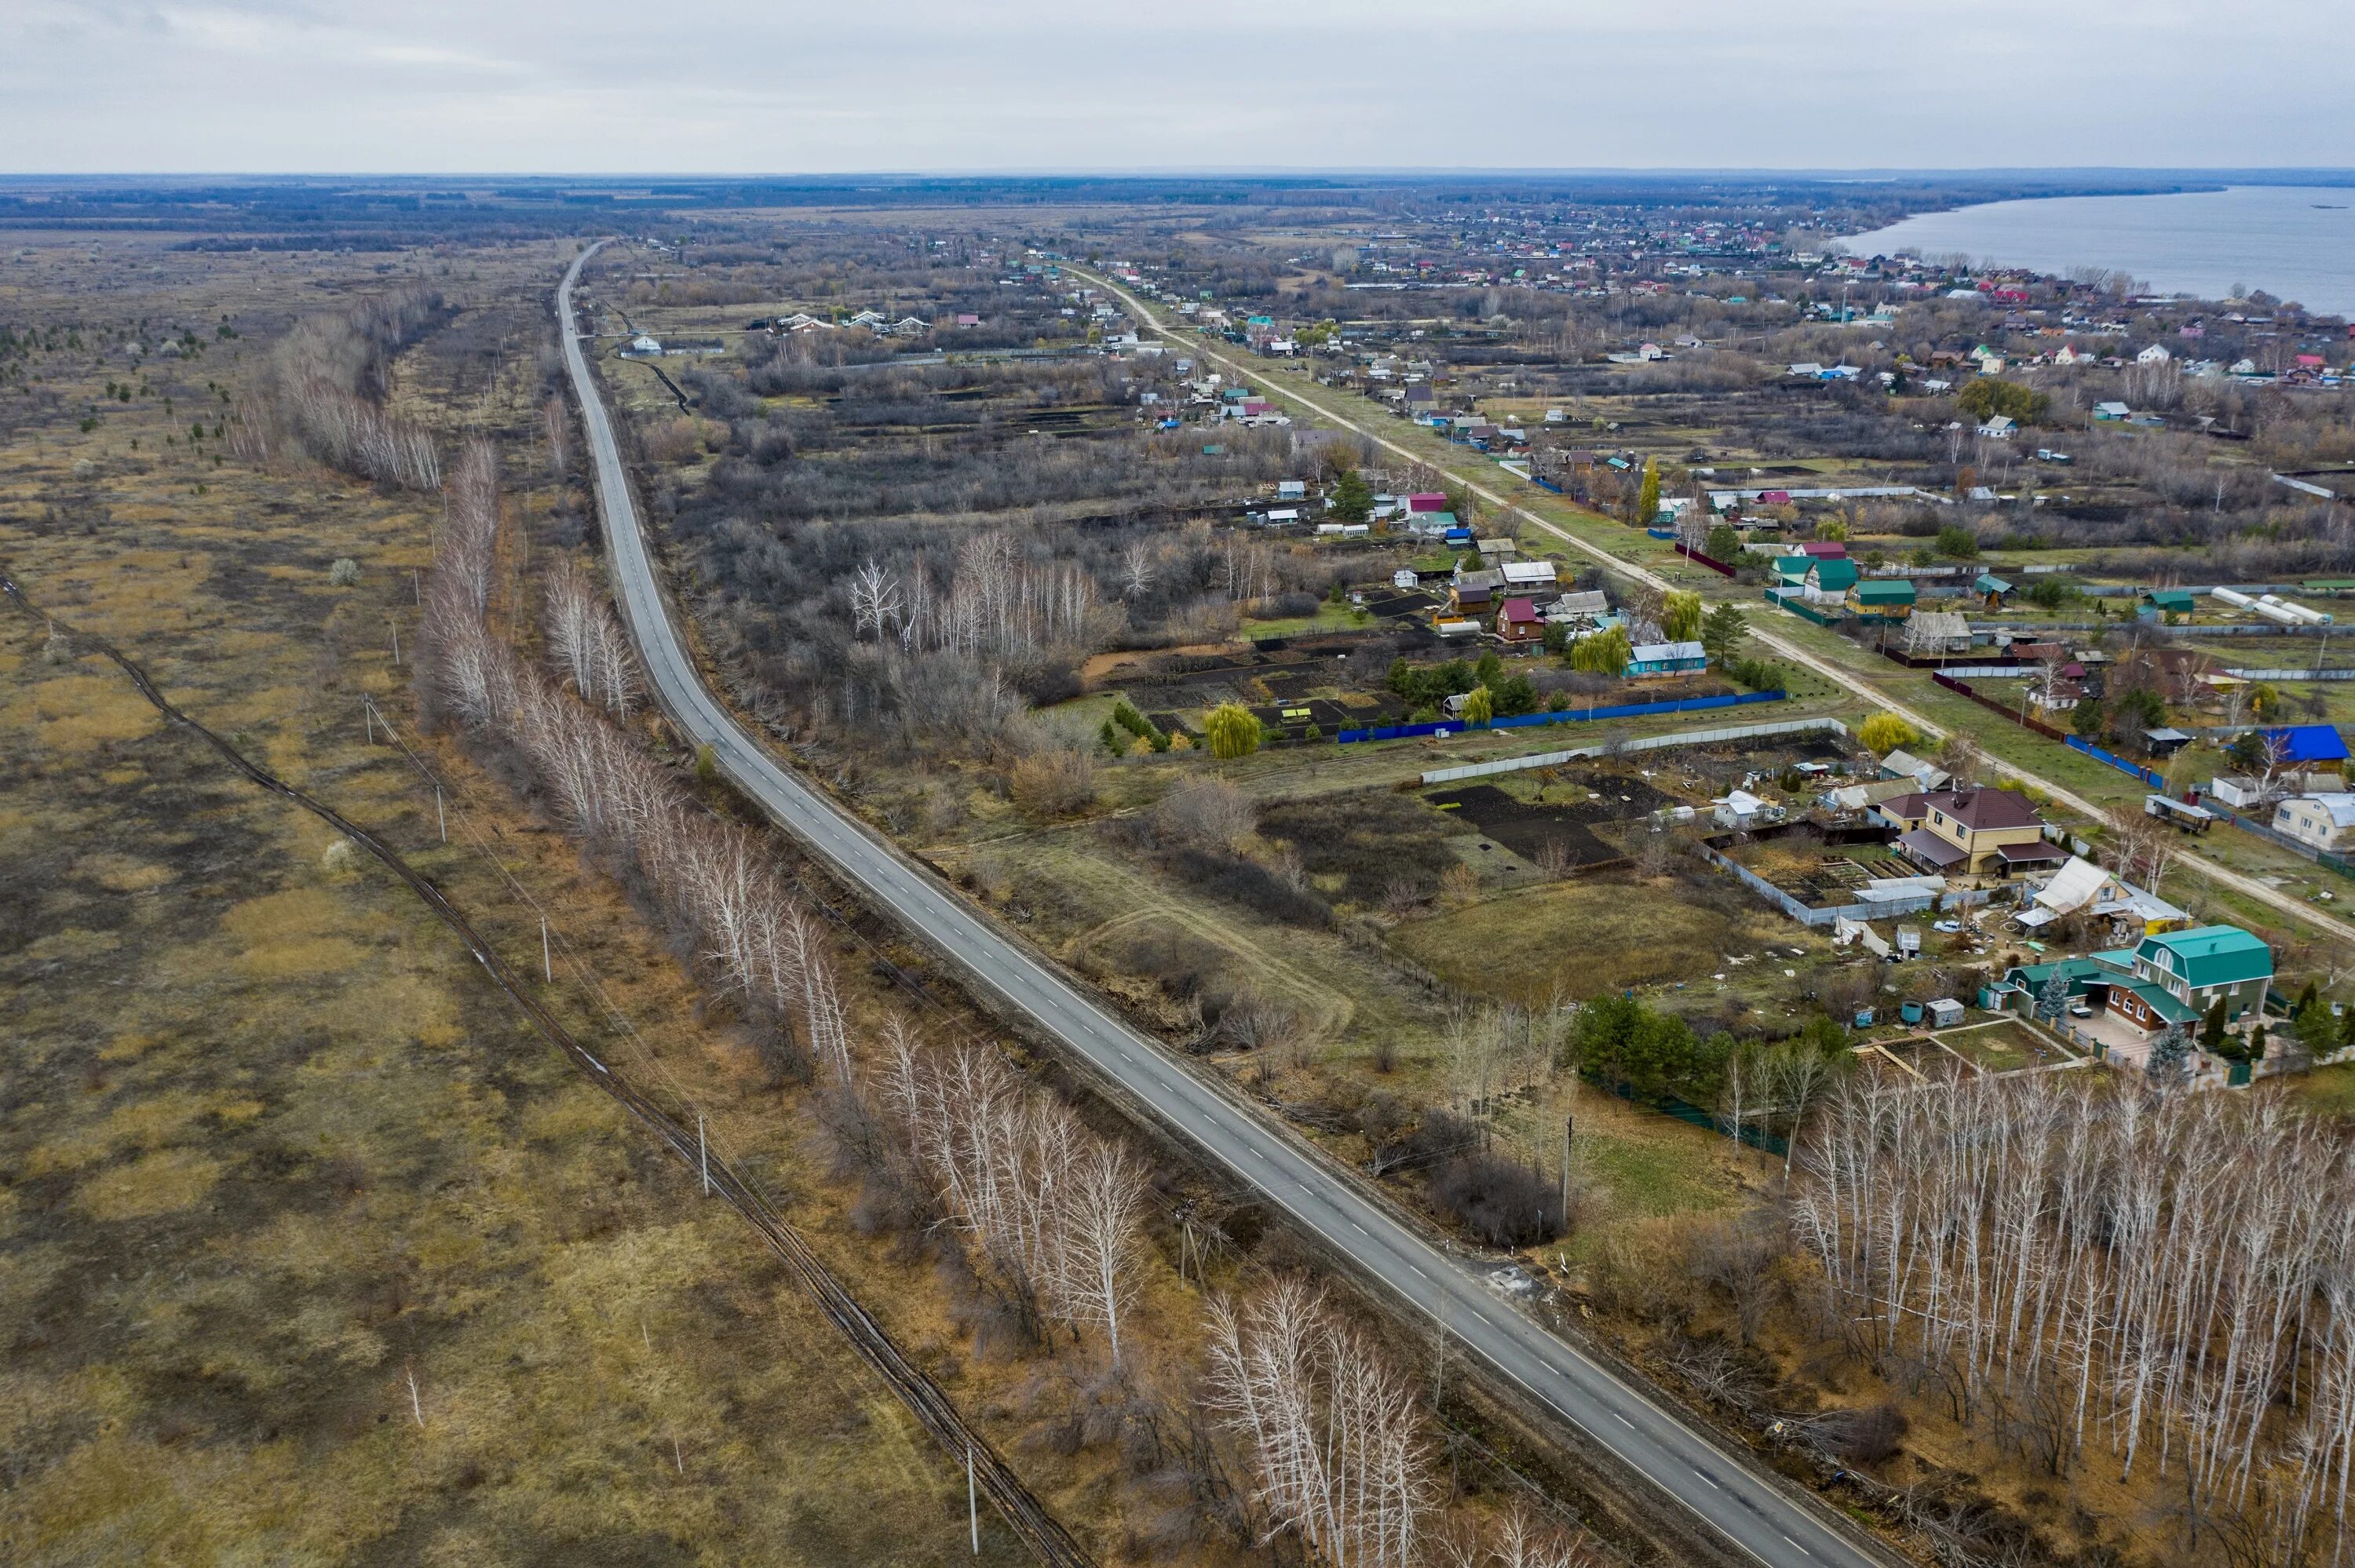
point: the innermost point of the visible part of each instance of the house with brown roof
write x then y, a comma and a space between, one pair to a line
1517, 620
1971, 832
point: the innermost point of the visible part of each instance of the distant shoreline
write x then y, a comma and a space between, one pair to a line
2289, 241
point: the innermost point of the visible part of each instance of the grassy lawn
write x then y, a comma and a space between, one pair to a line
2329, 1090
2002, 1047
1583, 937
1328, 618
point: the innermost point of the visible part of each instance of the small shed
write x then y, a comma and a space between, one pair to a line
1945, 1012
2172, 602
1992, 589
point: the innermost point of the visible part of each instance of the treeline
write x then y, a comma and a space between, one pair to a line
2166, 1278
702, 877
1051, 1218
328, 378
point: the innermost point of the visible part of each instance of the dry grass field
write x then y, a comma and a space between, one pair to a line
309, 1252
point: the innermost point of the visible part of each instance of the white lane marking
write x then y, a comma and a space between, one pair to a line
1623, 1421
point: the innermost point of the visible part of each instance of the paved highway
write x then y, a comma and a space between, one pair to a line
1757, 1515
2199, 865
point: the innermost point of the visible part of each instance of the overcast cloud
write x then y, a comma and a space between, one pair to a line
734, 86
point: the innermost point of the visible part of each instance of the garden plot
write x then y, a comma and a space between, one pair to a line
2005, 1046
1526, 827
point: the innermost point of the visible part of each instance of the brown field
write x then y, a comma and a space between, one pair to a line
271, 1148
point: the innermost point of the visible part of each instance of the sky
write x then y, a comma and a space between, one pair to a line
791, 87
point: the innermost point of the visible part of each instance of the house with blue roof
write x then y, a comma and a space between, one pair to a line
2307, 743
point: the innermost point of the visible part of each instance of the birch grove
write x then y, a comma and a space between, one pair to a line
586, 641
708, 877
1331, 1429
2165, 1280
1055, 1214
331, 374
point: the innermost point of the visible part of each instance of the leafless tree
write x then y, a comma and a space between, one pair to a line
1331, 1429
2092, 1262
874, 600
1104, 1217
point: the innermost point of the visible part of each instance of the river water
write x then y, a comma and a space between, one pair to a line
2296, 242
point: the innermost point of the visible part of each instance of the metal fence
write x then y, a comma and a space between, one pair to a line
1650, 743
1566, 715
2079, 743
2348, 674
1711, 562
1806, 915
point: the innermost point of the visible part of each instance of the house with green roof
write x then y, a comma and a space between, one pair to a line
2173, 978
1992, 589
1889, 596
2171, 601
1827, 579
2207, 962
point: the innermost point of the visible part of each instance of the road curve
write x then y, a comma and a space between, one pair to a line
2249, 887
1757, 1515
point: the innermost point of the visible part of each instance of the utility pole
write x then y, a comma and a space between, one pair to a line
368, 719
1568, 1123
972, 1501
395, 625
547, 960
702, 1154
440, 815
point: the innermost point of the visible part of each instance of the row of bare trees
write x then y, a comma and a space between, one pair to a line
586, 643
997, 603
2172, 1275
331, 374
1331, 1428
1055, 1213
708, 878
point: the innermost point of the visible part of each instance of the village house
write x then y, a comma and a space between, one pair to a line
2198, 966
1975, 833
1665, 659
1518, 622
1473, 593
2085, 889
2320, 822
1891, 597
1829, 580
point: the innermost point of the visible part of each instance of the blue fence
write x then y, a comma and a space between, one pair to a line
2079, 743
1567, 715
1545, 484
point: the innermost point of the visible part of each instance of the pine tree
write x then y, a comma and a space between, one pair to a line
2170, 1054
1721, 631
2053, 999
1353, 499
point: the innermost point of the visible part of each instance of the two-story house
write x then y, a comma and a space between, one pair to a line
1972, 832
2197, 968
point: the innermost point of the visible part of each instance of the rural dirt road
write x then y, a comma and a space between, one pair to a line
1848, 680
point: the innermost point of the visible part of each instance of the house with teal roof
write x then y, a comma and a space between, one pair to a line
1828, 581
2205, 963
2171, 978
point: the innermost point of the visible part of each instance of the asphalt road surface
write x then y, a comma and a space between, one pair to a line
1757, 1515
